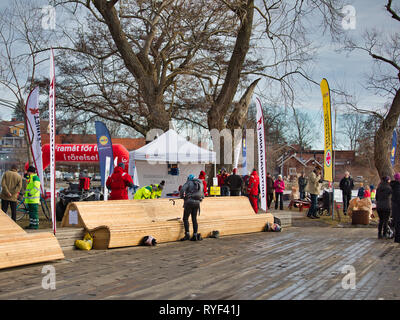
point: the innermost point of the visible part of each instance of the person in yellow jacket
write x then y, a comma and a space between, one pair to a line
158, 191
32, 198
144, 193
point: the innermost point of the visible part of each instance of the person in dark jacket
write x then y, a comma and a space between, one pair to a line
396, 206
383, 197
235, 183
361, 191
302, 186
192, 198
270, 189
346, 185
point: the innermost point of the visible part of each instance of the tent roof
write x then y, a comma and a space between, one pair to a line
171, 147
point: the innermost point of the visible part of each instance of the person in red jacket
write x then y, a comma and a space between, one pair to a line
252, 190
221, 182
118, 182
202, 177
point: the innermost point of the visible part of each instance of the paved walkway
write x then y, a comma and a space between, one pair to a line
299, 263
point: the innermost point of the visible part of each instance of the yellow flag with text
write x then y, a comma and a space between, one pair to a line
328, 154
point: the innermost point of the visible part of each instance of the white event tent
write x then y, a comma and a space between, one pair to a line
150, 163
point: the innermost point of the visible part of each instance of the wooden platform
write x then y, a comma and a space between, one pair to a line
124, 223
18, 247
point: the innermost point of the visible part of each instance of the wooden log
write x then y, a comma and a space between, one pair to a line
124, 223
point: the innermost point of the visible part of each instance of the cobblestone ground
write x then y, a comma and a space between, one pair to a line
302, 262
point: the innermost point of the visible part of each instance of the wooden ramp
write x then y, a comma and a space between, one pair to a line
124, 223
18, 247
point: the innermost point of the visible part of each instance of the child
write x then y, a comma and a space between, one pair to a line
361, 191
367, 192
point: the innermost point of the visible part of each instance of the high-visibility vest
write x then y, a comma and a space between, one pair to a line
32, 193
143, 193
156, 194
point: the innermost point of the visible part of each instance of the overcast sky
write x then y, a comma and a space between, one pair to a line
337, 68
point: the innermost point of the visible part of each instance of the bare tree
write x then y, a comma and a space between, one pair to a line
301, 130
351, 128
384, 49
20, 36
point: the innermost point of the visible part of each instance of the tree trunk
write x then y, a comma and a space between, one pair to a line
220, 107
158, 117
383, 139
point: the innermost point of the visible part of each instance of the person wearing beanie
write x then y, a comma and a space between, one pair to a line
158, 190
144, 193
235, 183
118, 182
222, 182
395, 184
192, 192
252, 190
32, 198
202, 177
383, 196
11, 185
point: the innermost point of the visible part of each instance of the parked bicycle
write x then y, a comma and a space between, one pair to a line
22, 209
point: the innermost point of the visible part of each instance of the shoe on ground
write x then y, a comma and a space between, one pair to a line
186, 237
196, 237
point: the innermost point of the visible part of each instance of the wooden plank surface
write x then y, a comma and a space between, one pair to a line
20, 248
299, 263
124, 223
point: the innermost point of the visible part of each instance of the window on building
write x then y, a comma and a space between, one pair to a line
292, 171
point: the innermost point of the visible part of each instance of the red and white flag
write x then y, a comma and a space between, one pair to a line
262, 162
52, 125
33, 130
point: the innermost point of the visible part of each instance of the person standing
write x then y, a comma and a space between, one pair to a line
11, 185
32, 198
202, 177
373, 193
270, 189
314, 189
234, 183
222, 182
395, 184
361, 191
383, 199
252, 189
118, 182
279, 187
346, 185
192, 192
367, 192
302, 182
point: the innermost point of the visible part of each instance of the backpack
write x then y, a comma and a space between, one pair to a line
195, 191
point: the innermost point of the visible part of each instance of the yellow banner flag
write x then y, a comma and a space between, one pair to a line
328, 154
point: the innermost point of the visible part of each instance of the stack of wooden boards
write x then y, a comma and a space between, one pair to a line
124, 223
18, 247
